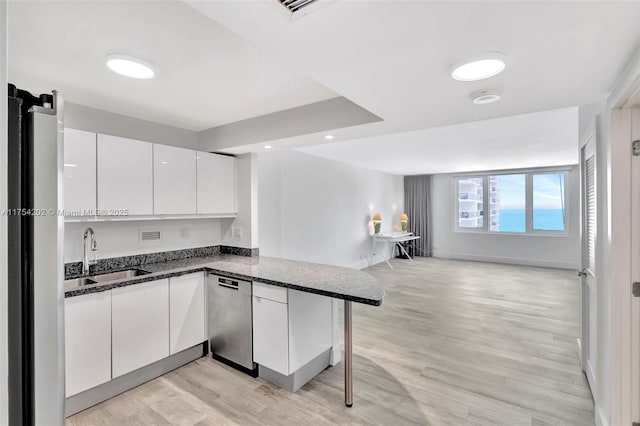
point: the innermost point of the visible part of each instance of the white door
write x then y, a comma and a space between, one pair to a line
588, 293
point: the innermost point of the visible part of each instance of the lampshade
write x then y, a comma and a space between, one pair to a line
377, 216
404, 216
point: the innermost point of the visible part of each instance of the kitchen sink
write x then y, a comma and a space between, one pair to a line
77, 282
120, 275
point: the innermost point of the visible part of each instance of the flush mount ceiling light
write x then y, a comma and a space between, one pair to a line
130, 66
485, 96
490, 65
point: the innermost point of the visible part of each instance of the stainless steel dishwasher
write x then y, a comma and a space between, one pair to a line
230, 322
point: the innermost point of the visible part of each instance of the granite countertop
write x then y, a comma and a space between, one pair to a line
341, 283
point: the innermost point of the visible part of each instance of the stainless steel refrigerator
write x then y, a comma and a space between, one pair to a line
35, 249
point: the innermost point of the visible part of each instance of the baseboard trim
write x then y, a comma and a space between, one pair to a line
600, 417
506, 260
300, 377
579, 343
118, 385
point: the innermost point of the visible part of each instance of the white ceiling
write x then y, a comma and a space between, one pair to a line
241, 59
548, 138
394, 59
206, 75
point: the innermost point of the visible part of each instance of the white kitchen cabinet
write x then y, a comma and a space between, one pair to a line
140, 325
174, 184
290, 328
125, 175
87, 341
186, 311
271, 334
216, 183
79, 172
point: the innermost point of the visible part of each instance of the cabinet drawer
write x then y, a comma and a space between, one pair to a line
270, 292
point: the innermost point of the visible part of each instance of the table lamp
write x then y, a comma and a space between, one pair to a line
404, 220
377, 222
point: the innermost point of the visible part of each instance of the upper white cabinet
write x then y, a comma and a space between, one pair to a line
186, 312
216, 183
125, 175
140, 325
174, 185
87, 341
132, 178
79, 172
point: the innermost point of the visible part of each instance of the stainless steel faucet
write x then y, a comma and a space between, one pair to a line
90, 237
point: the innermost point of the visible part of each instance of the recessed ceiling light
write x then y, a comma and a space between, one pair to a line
70, 165
329, 137
478, 70
267, 147
130, 66
485, 96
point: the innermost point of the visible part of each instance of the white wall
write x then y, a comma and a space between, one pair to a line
549, 251
247, 206
318, 210
122, 238
4, 371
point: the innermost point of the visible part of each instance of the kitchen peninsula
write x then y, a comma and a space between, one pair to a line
282, 283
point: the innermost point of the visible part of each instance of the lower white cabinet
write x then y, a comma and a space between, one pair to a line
187, 312
271, 334
140, 325
290, 327
87, 341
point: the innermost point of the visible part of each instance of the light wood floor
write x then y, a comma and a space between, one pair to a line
455, 343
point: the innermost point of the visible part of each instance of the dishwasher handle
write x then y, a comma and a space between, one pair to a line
226, 283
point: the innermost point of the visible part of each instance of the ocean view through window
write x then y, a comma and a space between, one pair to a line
548, 202
532, 202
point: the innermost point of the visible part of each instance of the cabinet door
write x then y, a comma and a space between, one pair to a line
271, 335
87, 329
216, 183
79, 171
140, 323
174, 185
125, 175
186, 311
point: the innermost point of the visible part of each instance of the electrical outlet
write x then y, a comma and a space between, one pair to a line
184, 233
236, 231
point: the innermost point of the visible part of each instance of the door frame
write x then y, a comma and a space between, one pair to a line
622, 260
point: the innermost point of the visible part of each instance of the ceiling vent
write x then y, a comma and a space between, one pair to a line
295, 9
295, 5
